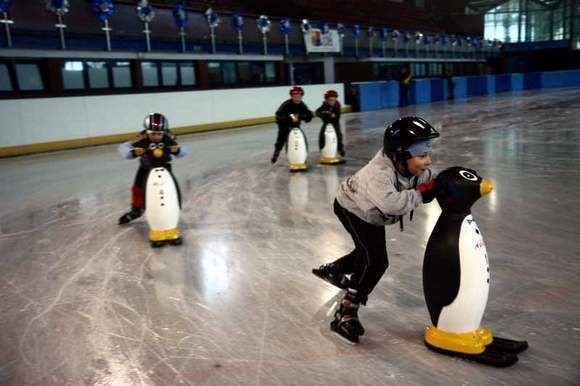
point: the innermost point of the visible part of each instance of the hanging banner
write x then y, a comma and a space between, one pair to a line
317, 41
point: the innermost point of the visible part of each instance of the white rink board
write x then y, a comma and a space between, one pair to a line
29, 121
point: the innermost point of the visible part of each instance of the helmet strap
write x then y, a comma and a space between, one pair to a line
399, 159
403, 168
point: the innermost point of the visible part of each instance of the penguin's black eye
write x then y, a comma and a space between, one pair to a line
467, 175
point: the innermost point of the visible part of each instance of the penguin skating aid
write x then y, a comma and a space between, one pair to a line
456, 276
162, 207
328, 153
297, 150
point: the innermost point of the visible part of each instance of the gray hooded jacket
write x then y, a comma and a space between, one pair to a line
371, 193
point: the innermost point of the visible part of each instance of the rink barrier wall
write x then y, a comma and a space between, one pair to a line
49, 124
381, 95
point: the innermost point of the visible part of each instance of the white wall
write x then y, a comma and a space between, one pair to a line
28, 121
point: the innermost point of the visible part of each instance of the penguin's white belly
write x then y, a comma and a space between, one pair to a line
162, 205
297, 151
465, 312
330, 142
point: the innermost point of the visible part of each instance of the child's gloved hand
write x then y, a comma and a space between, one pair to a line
325, 115
427, 190
138, 151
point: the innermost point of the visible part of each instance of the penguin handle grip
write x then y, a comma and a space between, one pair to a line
427, 190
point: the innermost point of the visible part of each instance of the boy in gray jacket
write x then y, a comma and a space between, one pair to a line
395, 182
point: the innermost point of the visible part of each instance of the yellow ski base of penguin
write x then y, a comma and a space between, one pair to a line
297, 167
472, 342
485, 334
164, 235
329, 160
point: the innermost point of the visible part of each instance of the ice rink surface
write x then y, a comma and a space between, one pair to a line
87, 302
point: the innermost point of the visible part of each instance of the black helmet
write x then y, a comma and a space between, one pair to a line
155, 122
404, 132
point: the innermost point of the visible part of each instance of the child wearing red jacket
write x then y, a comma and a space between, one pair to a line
155, 147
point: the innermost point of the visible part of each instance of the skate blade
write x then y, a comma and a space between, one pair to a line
508, 345
488, 357
332, 309
337, 285
342, 337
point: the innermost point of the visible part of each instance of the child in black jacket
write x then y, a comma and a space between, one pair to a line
329, 112
288, 115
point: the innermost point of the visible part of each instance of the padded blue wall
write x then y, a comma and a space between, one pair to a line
380, 95
437, 89
476, 85
532, 80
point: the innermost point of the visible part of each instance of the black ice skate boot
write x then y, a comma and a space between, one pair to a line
346, 322
130, 215
327, 272
275, 157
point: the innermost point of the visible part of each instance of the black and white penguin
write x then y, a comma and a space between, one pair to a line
297, 150
329, 153
162, 203
456, 275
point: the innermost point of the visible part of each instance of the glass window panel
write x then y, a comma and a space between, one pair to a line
98, 74
270, 72
122, 75
257, 72
229, 72
5, 84
72, 75
149, 73
559, 23
214, 72
536, 19
187, 72
169, 74
28, 75
244, 72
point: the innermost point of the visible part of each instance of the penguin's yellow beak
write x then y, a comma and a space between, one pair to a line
485, 187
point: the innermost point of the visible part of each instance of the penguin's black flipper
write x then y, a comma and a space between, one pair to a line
489, 357
508, 345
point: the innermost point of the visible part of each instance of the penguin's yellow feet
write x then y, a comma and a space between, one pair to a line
485, 334
329, 160
158, 237
298, 167
466, 343
469, 346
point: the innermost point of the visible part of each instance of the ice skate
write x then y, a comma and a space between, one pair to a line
131, 215
327, 273
346, 323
